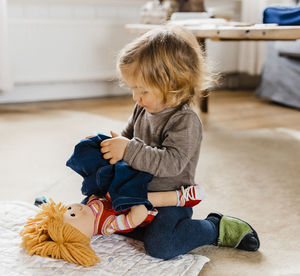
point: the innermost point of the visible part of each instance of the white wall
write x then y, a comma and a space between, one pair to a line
223, 55
67, 48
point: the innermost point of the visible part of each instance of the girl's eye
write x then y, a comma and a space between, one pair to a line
72, 215
69, 208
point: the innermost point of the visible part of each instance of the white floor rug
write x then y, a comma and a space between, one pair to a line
251, 174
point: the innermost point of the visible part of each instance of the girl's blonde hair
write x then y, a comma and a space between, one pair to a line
48, 236
168, 59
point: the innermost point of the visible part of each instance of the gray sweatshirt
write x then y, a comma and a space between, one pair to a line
165, 144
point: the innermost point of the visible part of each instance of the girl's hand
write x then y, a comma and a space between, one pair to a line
114, 148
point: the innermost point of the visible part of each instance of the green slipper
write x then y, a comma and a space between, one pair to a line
234, 232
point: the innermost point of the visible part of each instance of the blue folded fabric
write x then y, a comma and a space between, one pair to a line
127, 187
282, 15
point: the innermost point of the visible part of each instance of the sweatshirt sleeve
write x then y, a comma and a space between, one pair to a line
181, 138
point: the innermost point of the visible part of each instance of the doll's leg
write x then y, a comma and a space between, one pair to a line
187, 197
138, 214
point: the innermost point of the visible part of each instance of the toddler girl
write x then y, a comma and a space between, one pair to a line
165, 69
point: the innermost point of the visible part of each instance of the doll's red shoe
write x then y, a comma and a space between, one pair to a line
191, 196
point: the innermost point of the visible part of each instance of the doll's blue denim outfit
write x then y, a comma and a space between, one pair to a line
127, 187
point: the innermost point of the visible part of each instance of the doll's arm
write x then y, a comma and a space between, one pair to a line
163, 199
137, 214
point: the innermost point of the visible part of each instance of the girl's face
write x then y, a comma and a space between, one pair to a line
81, 217
152, 101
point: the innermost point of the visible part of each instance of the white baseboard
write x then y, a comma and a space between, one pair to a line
61, 91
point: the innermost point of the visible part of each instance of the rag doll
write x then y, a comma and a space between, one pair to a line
64, 232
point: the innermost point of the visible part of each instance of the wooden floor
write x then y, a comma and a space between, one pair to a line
227, 109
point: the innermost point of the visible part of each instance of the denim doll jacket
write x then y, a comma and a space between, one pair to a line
127, 187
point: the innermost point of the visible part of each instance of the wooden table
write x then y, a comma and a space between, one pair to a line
234, 32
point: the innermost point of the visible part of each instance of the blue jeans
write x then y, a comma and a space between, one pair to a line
173, 233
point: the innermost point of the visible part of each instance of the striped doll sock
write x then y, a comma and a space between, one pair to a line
122, 223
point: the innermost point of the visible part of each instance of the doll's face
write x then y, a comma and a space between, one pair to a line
81, 217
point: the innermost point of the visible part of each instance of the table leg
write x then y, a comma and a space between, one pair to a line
203, 102
203, 99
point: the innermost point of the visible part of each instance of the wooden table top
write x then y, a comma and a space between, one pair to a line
243, 32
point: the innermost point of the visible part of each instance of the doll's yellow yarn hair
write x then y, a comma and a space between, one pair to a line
47, 235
